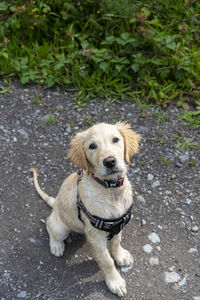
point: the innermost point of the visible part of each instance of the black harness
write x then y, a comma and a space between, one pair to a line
113, 226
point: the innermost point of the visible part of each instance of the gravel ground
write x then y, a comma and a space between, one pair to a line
163, 236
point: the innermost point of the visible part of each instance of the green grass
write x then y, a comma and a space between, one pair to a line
164, 162
148, 51
183, 143
52, 119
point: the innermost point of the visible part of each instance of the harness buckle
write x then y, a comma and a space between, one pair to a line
106, 184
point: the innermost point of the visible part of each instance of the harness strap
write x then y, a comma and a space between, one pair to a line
113, 226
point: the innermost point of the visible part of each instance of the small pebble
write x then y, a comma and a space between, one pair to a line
150, 177
147, 248
153, 261
22, 294
155, 184
89, 258
154, 238
178, 164
68, 129
143, 222
171, 277
183, 158
45, 117
188, 201
195, 228
126, 269
193, 250
32, 240
172, 269
141, 199
183, 281
38, 295
23, 132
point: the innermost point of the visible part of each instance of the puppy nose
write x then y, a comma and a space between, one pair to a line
109, 162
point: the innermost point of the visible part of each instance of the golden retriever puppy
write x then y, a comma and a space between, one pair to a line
96, 201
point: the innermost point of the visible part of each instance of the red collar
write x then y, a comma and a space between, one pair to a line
106, 183
109, 183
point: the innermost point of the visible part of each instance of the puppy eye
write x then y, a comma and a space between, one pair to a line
92, 146
115, 140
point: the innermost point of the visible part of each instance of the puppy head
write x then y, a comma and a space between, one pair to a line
104, 148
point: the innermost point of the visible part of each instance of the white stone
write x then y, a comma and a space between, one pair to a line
155, 184
160, 227
22, 294
188, 201
32, 240
171, 277
196, 298
168, 192
183, 281
193, 250
172, 269
147, 248
150, 177
141, 199
126, 269
23, 132
195, 228
15, 139
89, 258
183, 158
154, 261
154, 238
143, 222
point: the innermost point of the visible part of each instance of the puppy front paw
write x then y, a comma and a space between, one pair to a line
123, 258
57, 248
116, 284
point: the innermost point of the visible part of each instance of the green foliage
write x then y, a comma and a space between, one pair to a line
147, 49
184, 143
51, 119
164, 162
193, 116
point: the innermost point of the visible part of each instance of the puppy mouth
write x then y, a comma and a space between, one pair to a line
113, 172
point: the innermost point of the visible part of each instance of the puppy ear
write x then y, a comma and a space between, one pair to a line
131, 140
76, 152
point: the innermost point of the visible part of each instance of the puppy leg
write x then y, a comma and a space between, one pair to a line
58, 232
113, 279
121, 256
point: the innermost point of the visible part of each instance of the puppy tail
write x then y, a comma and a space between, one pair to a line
43, 195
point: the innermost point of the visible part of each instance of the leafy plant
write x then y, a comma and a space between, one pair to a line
164, 162
52, 119
148, 50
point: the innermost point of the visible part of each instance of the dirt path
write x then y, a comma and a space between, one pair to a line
35, 128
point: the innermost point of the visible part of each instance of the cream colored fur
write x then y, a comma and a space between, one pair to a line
105, 203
